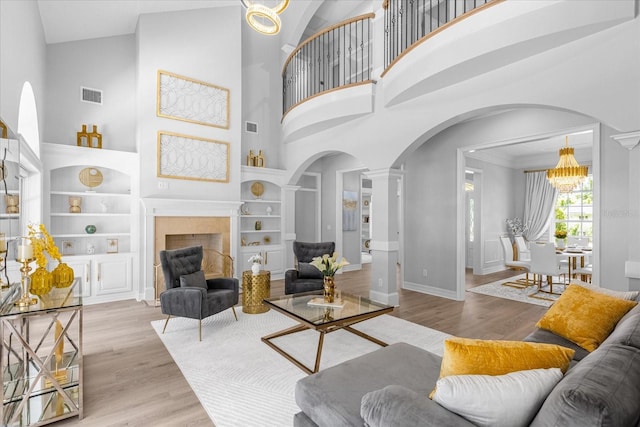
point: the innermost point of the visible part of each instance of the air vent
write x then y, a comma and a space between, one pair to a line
93, 96
251, 127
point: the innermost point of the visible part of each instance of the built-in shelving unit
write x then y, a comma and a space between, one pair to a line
365, 214
103, 259
261, 219
9, 187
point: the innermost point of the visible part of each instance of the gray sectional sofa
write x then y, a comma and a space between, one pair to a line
389, 387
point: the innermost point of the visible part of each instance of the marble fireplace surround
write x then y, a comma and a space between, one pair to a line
182, 220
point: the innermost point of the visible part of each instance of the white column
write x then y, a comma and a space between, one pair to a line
384, 238
288, 224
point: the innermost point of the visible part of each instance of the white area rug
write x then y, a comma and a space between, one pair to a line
497, 289
240, 381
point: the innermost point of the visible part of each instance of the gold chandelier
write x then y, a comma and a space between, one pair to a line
262, 18
568, 173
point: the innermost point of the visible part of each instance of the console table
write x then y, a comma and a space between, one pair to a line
41, 357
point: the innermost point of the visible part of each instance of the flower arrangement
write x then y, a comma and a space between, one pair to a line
43, 242
516, 226
329, 265
560, 234
256, 259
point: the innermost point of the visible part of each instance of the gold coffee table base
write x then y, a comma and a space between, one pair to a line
254, 290
356, 310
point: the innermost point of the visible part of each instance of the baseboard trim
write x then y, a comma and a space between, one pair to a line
388, 299
430, 290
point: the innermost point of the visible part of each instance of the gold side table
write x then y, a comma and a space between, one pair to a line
255, 288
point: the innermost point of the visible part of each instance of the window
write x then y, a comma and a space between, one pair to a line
574, 210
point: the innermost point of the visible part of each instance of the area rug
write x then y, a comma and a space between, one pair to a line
240, 381
498, 290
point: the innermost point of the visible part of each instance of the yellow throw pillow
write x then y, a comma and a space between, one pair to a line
584, 317
465, 356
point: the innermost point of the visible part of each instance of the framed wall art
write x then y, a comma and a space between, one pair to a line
190, 100
349, 211
190, 157
112, 246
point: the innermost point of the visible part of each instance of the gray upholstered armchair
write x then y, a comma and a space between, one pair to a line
188, 293
306, 277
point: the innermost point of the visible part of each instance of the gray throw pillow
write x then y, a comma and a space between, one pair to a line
308, 271
195, 280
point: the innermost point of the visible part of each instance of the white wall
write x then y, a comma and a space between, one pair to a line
203, 44
106, 64
618, 219
499, 191
22, 47
262, 95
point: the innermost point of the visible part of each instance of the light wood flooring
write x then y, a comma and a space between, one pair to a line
131, 380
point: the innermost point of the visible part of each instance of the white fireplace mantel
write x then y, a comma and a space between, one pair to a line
155, 207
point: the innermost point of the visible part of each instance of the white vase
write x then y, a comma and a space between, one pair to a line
255, 268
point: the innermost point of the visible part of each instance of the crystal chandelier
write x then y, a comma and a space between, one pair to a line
568, 173
262, 18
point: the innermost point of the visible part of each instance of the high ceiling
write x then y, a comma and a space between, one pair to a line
71, 20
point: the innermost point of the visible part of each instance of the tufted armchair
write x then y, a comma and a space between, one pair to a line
305, 277
188, 293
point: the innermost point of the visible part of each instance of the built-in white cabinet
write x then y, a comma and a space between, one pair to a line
92, 216
262, 219
102, 276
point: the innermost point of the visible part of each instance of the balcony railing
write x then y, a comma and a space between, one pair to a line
408, 21
336, 57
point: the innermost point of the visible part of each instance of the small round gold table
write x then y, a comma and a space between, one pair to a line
254, 290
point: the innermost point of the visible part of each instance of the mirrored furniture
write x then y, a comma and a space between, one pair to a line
41, 357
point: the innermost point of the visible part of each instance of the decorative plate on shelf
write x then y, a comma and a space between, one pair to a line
367, 243
257, 189
366, 203
91, 177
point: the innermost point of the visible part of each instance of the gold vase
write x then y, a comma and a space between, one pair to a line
329, 289
41, 281
62, 275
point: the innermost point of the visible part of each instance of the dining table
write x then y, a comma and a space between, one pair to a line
573, 254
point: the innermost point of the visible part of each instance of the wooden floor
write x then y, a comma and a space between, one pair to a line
131, 380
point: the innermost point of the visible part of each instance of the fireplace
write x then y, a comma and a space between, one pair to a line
212, 233
169, 224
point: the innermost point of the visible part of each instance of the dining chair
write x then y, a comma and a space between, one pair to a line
509, 262
545, 265
524, 254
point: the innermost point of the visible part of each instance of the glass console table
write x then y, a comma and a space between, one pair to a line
41, 357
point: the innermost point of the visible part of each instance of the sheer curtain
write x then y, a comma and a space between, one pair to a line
539, 202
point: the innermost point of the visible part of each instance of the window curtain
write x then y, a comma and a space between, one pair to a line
539, 202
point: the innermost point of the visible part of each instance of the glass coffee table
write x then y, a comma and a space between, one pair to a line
347, 311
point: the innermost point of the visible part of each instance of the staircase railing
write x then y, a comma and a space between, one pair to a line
407, 22
336, 57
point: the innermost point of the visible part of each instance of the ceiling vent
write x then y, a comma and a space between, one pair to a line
93, 96
251, 127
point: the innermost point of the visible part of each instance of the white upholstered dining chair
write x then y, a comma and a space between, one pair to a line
524, 254
545, 266
509, 262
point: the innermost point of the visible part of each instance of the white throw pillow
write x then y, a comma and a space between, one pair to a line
509, 400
